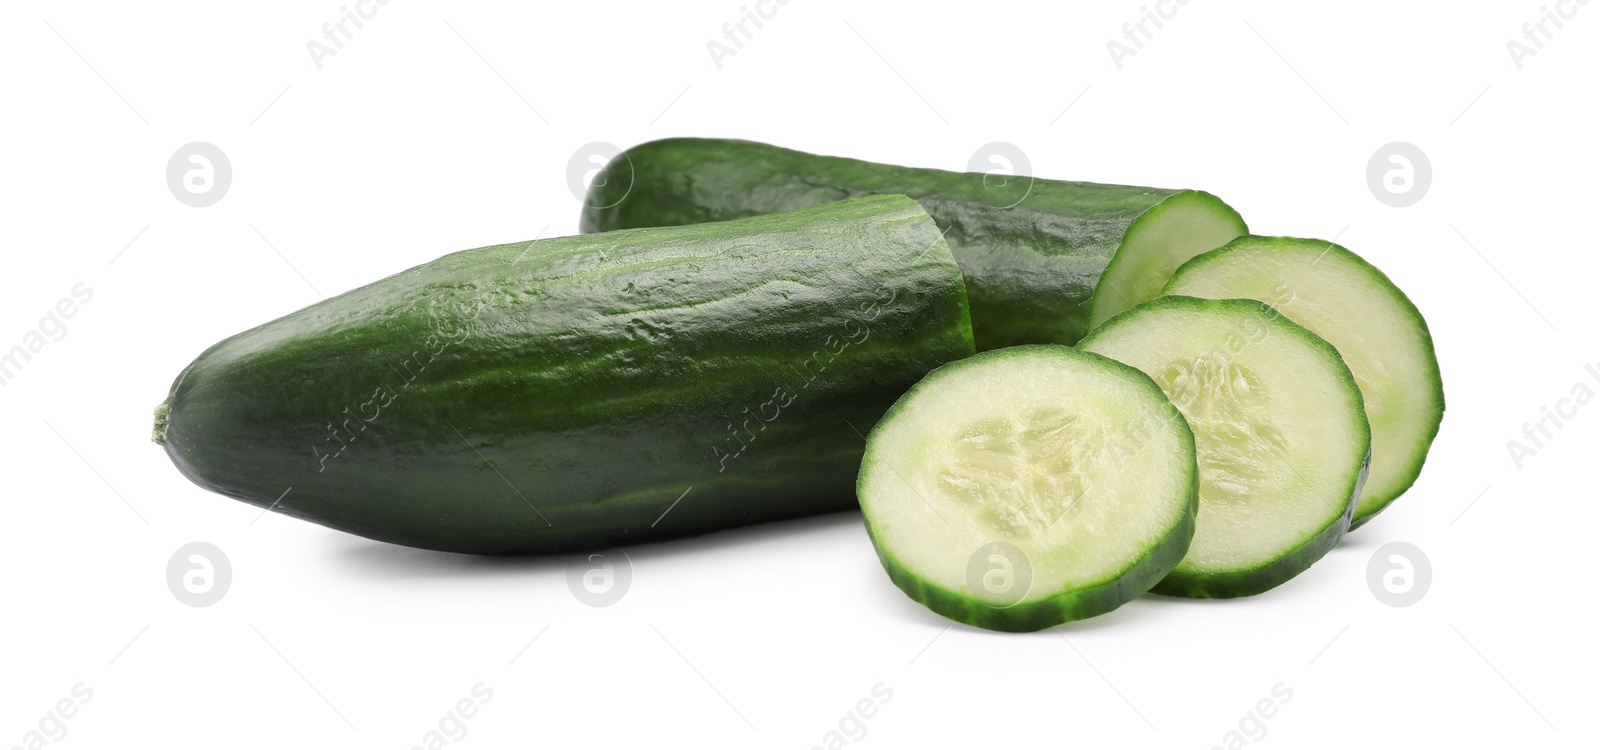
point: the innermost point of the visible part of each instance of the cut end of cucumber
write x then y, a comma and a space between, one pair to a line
1029, 486
1280, 436
1378, 332
1177, 229
158, 433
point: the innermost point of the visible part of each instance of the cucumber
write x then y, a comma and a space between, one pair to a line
1029, 486
1378, 331
1279, 430
1032, 250
585, 391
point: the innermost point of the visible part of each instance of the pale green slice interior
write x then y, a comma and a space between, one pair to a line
1175, 230
1277, 424
1076, 460
1377, 330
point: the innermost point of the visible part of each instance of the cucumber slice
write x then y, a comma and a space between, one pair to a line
1028, 486
1281, 438
1379, 333
1159, 241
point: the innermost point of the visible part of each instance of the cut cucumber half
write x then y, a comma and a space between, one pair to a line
1280, 435
1181, 227
1031, 250
1379, 333
1029, 486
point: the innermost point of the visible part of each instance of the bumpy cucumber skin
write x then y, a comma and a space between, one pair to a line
1064, 606
597, 375
1031, 250
1252, 581
1377, 503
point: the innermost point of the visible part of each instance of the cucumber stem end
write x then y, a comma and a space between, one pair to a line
158, 434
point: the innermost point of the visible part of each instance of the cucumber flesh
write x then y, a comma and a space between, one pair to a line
1029, 486
1378, 331
1178, 229
1280, 435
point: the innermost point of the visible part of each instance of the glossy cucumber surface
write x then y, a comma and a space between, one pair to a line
583, 391
1032, 250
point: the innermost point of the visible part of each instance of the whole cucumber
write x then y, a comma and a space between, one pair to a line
583, 391
1044, 260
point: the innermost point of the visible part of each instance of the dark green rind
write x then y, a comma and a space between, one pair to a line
589, 379
1031, 250
1379, 278
1252, 581
1063, 606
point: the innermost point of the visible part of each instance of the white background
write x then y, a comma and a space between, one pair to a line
445, 126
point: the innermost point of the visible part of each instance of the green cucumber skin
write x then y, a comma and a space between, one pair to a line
1045, 613
599, 375
1240, 583
1031, 268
